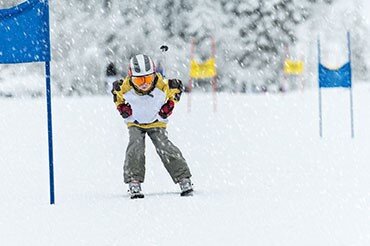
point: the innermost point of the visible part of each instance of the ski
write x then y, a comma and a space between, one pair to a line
136, 195
187, 193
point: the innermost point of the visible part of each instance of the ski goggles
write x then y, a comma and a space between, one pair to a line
143, 81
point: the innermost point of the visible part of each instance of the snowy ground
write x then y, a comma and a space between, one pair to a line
262, 174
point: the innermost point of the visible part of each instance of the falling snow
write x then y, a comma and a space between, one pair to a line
262, 174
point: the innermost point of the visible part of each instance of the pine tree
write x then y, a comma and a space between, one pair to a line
250, 37
265, 28
359, 45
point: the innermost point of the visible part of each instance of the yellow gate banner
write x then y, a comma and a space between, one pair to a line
293, 67
203, 70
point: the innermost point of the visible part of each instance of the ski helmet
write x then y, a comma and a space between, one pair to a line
142, 72
141, 65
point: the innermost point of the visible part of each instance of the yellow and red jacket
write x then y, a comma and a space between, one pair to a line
145, 107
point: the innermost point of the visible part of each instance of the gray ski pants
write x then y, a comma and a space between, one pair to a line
134, 166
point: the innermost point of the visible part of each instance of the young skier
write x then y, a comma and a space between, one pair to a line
145, 100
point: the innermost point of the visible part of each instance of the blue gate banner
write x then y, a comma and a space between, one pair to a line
341, 77
335, 78
24, 33
25, 37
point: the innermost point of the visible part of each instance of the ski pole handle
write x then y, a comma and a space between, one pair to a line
164, 49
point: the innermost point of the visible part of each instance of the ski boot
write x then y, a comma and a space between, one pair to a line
186, 187
135, 190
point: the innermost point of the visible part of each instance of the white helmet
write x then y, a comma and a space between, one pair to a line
141, 65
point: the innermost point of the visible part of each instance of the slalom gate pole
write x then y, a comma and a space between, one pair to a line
351, 89
214, 78
50, 132
320, 98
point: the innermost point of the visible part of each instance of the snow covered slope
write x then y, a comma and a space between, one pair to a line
262, 174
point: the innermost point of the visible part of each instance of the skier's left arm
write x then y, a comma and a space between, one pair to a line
174, 89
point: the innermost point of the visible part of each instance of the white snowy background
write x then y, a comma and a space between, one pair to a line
262, 174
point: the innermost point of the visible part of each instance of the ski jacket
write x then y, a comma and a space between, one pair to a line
145, 107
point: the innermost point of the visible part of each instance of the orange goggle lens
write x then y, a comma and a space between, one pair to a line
143, 80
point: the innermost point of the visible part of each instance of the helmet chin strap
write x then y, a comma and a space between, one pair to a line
143, 93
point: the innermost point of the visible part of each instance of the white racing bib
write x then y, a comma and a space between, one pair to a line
145, 108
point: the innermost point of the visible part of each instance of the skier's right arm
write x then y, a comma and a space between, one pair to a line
120, 87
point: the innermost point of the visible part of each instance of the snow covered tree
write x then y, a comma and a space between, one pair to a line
175, 17
265, 28
334, 40
250, 36
76, 55
359, 35
9, 3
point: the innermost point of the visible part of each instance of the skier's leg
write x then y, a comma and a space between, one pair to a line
170, 155
134, 167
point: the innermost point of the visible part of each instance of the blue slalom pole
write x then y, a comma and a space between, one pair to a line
320, 99
50, 132
352, 121
350, 77
320, 112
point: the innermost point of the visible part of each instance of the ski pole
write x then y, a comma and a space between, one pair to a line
164, 49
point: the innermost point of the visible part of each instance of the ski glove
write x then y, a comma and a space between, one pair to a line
167, 109
116, 86
125, 110
176, 84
